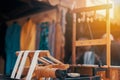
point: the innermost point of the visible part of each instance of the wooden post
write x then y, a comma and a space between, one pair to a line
33, 65
74, 40
108, 55
16, 64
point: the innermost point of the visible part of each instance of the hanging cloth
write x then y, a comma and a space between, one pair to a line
38, 31
43, 45
28, 36
45, 37
51, 38
89, 57
68, 36
12, 42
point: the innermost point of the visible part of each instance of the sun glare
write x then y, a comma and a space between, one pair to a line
99, 2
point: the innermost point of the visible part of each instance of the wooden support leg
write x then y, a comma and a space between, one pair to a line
17, 64
21, 67
33, 65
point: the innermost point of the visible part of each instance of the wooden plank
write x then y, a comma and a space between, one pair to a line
93, 8
33, 65
55, 60
73, 40
91, 42
21, 67
46, 60
88, 65
16, 64
108, 57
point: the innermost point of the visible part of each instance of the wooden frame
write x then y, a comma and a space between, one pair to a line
93, 8
34, 57
105, 41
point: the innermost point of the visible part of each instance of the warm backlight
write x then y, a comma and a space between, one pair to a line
99, 2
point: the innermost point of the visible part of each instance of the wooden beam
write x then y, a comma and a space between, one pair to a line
108, 31
93, 8
91, 42
74, 40
20, 53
